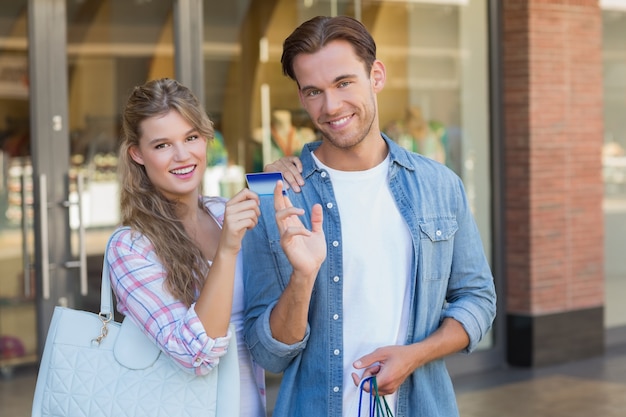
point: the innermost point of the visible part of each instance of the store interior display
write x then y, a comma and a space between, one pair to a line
286, 138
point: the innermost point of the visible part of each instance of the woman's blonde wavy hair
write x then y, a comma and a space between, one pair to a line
143, 207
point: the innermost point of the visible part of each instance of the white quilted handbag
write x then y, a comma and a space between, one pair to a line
93, 366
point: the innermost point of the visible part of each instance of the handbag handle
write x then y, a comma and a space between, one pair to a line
106, 293
106, 296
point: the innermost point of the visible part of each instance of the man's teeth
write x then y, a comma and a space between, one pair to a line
340, 121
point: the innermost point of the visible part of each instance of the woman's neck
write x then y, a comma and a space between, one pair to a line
189, 210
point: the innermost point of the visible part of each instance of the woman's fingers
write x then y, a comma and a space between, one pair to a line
242, 213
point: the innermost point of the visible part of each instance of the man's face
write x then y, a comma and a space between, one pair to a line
339, 95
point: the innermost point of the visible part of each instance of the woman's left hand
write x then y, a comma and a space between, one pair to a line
241, 214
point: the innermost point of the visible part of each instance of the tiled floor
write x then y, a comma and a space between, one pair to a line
16, 392
594, 387
551, 396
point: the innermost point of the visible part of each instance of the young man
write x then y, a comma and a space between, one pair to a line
405, 281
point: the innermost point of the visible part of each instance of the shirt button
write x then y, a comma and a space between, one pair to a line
336, 352
335, 316
329, 205
336, 278
438, 233
323, 174
336, 389
198, 361
335, 243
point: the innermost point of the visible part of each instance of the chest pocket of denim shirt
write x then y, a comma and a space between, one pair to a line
437, 245
282, 264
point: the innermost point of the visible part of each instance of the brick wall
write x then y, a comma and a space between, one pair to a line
552, 69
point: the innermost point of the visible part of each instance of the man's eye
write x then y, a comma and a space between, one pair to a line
160, 146
192, 137
344, 83
313, 93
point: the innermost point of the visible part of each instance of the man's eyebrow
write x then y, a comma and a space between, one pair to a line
344, 76
336, 80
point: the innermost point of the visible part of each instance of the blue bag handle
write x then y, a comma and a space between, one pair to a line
375, 403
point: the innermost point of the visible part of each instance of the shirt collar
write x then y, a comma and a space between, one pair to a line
398, 155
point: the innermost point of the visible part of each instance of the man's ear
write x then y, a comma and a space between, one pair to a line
135, 154
378, 76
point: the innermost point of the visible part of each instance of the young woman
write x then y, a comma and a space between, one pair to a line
175, 260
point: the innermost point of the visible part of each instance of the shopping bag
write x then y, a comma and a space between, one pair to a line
377, 404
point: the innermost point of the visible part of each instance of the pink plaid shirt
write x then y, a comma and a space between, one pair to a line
138, 281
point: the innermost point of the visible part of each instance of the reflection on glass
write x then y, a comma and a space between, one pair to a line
113, 45
18, 334
614, 163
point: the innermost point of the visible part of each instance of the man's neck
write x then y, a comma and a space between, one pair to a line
361, 157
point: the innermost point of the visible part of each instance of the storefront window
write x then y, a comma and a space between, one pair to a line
112, 46
435, 101
614, 159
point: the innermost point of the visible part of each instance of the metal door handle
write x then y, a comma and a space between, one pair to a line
82, 251
25, 251
45, 256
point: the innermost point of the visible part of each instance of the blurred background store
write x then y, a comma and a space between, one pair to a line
67, 66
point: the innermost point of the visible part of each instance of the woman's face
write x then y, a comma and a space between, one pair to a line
173, 154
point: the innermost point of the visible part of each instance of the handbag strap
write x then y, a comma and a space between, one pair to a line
106, 293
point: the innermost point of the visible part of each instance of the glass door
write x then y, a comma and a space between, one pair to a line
66, 68
18, 333
112, 45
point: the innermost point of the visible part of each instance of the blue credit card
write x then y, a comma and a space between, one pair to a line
263, 183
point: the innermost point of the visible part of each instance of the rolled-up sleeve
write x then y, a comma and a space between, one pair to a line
270, 353
138, 281
471, 296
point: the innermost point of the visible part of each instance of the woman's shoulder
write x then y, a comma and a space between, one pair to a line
216, 206
126, 237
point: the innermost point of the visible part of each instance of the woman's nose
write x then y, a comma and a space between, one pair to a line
181, 152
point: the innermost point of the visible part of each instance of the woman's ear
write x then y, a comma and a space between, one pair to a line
135, 154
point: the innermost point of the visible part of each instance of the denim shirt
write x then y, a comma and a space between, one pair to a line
452, 278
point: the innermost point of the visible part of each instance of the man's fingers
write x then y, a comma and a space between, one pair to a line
279, 198
291, 168
317, 218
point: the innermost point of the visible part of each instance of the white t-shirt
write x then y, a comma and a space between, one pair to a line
377, 259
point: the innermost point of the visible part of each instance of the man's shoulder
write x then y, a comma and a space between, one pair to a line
423, 165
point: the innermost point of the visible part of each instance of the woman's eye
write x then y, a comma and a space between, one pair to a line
160, 146
192, 137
